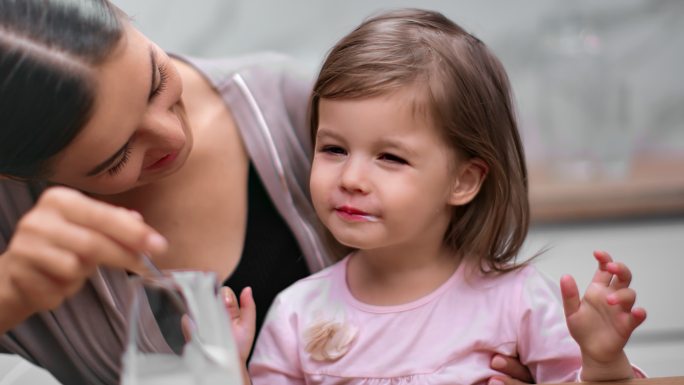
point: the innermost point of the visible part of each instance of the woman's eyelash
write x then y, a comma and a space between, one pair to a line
163, 78
114, 170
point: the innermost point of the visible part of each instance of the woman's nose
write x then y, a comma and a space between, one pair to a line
155, 123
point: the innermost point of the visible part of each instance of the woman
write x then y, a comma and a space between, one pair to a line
213, 155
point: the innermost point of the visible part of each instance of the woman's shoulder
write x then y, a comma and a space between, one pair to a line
270, 65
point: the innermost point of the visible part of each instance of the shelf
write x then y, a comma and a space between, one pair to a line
653, 187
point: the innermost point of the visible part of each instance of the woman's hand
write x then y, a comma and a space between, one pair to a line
58, 244
513, 371
603, 320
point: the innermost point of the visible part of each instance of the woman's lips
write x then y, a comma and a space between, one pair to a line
355, 215
163, 161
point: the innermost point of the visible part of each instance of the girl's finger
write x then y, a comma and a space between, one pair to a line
248, 308
602, 276
625, 298
230, 302
638, 316
622, 275
570, 294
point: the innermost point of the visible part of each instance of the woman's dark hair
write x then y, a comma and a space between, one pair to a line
48, 53
464, 90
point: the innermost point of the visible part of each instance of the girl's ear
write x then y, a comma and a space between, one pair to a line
470, 176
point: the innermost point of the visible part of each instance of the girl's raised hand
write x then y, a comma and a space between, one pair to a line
603, 320
243, 322
243, 318
58, 244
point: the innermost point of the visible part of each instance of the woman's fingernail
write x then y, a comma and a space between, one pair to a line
156, 243
498, 363
136, 214
495, 381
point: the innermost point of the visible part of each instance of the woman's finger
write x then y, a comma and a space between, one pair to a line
187, 327
511, 367
60, 264
119, 224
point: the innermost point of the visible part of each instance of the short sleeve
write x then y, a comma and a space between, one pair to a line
275, 359
545, 345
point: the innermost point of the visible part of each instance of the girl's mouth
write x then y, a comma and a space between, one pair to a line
354, 215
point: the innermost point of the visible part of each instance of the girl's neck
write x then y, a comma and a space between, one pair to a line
393, 278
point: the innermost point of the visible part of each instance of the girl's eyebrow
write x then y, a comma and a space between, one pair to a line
323, 133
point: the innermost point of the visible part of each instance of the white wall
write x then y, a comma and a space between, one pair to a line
641, 43
653, 251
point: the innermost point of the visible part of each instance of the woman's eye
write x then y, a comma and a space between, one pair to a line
115, 169
337, 150
393, 158
163, 80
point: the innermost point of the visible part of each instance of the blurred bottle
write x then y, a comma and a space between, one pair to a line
584, 103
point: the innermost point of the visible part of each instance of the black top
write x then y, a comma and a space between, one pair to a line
271, 266
268, 267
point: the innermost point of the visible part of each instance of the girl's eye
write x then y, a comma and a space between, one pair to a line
114, 170
337, 150
393, 158
163, 79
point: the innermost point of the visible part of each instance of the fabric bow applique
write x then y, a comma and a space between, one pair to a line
328, 340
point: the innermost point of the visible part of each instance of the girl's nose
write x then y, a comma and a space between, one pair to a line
354, 177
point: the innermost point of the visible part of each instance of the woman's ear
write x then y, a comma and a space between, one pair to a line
470, 176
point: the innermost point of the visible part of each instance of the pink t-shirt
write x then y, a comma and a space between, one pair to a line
446, 337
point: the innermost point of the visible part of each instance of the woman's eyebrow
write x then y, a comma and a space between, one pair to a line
108, 162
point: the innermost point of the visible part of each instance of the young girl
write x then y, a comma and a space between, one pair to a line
418, 167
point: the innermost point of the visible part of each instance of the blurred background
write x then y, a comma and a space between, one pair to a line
600, 97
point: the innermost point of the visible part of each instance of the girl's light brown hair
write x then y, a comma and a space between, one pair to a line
464, 90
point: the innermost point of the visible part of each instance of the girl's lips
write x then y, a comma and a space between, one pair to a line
354, 215
163, 161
